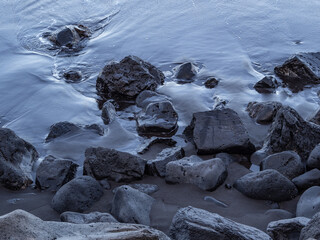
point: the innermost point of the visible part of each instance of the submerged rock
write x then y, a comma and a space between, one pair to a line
108, 113
263, 112
314, 158
309, 203
311, 230
211, 82
186, 71
72, 76
307, 180
81, 218
266, 85
146, 97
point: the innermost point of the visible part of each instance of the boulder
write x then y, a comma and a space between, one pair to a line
311, 230
266, 85
114, 165
96, 128
299, 71
77, 195
211, 82
220, 130
146, 97
207, 175
307, 180
108, 113
124, 81
186, 71
16, 160
145, 188
53, 173
23, 225
81, 218
266, 185
130, 205
158, 119
191, 223
309, 203
155, 140
314, 158
263, 112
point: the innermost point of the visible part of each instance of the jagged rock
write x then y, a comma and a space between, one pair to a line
263, 112
308, 179
158, 119
309, 203
16, 160
316, 118
146, 97
207, 175
157, 167
314, 158
108, 113
287, 229
155, 140
145, 188
266, 85
81, 218
211, 82
114, 165
186, 71
130, 205
311, 230
72, 76
77, 195
126, 79
266, 185
220, 130
53, 173
193, 224
300, 70
23, 225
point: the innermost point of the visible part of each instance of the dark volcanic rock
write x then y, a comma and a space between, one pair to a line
309, 203
102, 163
300, 70
307, 180
98, 129
266, 185
312, 230
314, 158
266, 85
220, 130
61, 128
108, 113
158, 119
72, 76
81, 218
16, 160
77, 195
146, 97
52, 173
194, 224
186, 71
126, 79
263, 112
211, 82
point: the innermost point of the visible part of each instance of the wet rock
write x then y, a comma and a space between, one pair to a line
307, 180
193, 224
220, 130
72, 76
311, 230
146, 97
77, 195
287, 229
145, 188
81, 218
129, 205
98, 129
155, 140
158, 119
263, 112
127, 79
314, 158
114, 165
23, 225
207, 175
309, 203
186, 71
53, 173
211, 82
300, 70
157, 167
266, 185
266, 85
16, 160
108, 113
287, 163
316, 118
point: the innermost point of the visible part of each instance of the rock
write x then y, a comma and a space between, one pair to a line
129, 205
186, 71
157, 167
316, 118
114, 165
287, 229
207, 175
98, 129
299, 71
220, 130
266, 185
145, 188
278, 214
23, 225
211, 82
314, 158
309, 203
108, 113
311, 230
287, 163
307, 180
53, 173
228, 158
263, 112
81, 218
16, 160
266, 85
72, 76
146, 97
105, 184
219, 103
193, 224
155, 140
158, 119
77, 195
126, 79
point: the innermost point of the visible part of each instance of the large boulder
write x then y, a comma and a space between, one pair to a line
312, 230
308, 179
82, 218
23, 225
146, 97
124, 81
266, 85
220, 130
263, 112
309, 203
266, 185
16, 160
77, 195
193, 224
105, 163
207, 175
314, 158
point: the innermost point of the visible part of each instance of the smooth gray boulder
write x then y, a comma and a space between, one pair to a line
266, 85
207, 175
219, 130
263, 112
105, 163
53, 173
108, 112
130, 205
314, 158
312, 230
308, 179
146, 97
266, 185
81, 218
191, 223
186, 71
309, 203
77, 195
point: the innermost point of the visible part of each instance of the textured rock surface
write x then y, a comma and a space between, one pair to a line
266, 85
146, 97
307, 180
263, 112
108, 112
314, 158
186, 71
81, 218
312, 230
309, 203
